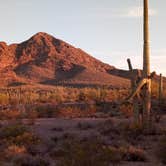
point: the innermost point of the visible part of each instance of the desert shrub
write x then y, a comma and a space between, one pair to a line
88, 94
67, 135
82, 96
4, 99
18, 115
10, 114
59, 95
28, 160
31, 117
153, 130
18, 135
108, 128
126, 109
46, 111
56, 97
12, 131
132, 153
29, 97
84, 126
58, 129
155, 89
135, 131
55, 139
93, 94
161, 150
102, 94
13, 150
132, 131
72, 111
89, 153
26, 139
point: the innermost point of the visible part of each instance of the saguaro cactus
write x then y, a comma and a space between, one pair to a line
160, 89
144, 85
146, 67
136, 99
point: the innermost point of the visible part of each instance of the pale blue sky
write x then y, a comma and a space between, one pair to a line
110, 30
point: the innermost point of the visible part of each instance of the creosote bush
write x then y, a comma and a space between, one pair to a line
13, 150
92, 152
10, 114
18, 134
89, 153
84, 126
132, 153
133, 130
16, 139
12, 131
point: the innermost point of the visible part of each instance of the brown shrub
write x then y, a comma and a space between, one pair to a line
133, 154
13, 150
84, 126
88, 153
46, 111
12, 131
127, 110
19, 135
10, 114
161, 150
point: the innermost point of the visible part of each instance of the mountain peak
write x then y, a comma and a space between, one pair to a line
45, 59
42, 34
41, 37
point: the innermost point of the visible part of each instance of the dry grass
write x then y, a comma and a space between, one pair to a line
58, 95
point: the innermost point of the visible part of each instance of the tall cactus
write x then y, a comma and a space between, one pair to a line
143, 86
146, 67
160, 89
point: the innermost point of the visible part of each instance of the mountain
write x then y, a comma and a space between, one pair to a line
44, 59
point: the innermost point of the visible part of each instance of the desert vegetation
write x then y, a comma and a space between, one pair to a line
53, 102
81, 142
77, 126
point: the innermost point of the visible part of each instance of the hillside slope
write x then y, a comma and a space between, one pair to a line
46, 60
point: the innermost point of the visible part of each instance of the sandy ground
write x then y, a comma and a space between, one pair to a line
49, 128
57, 127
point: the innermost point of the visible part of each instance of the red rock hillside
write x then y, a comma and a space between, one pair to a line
46, 60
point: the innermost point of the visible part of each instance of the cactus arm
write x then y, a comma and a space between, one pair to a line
152, 75
129, 64
141, 83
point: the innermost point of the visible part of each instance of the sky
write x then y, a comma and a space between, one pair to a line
110, 30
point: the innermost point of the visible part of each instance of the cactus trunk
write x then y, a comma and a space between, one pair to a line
146, 68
